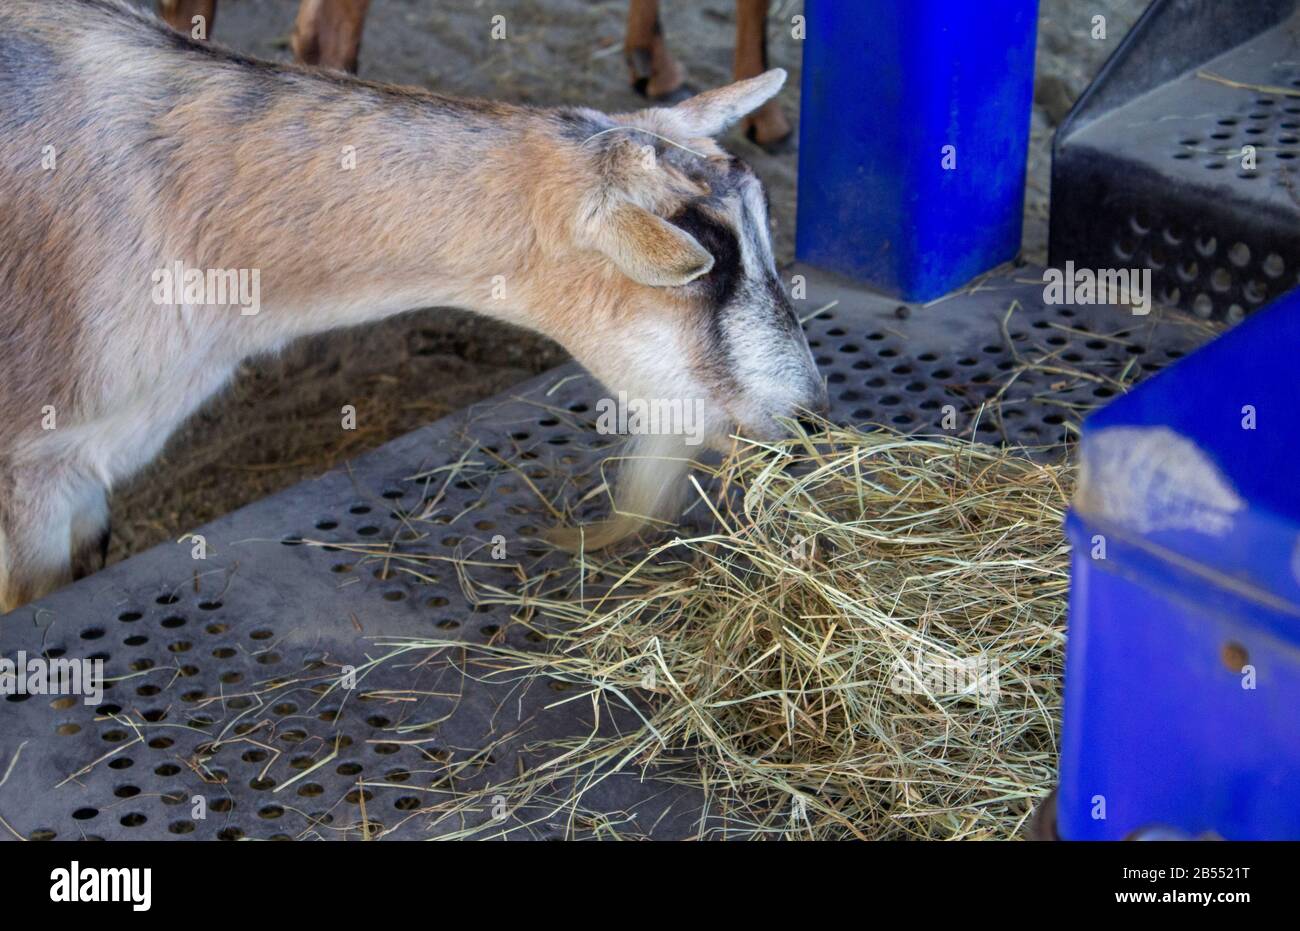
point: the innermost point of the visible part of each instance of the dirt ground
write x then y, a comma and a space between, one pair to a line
278, 423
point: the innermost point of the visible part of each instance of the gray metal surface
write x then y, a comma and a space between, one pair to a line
1196, 179
221, 668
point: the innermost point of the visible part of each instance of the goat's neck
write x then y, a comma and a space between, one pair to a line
365, 205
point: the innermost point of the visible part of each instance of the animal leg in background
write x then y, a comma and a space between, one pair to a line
655, 73
328, 33
769, 125
179, 14
658, 75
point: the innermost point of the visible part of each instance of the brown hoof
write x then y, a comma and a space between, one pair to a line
655, 73
640, 63
675, 96
769, 128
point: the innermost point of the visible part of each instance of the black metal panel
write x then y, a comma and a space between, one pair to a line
1156, 174
222, 668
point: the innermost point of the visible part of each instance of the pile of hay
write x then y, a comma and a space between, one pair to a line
869, 646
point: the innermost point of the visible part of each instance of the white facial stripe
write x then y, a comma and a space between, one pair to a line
749, 260
756, 207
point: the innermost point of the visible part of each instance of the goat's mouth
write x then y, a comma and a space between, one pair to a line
773, 428
768, 420
763, 428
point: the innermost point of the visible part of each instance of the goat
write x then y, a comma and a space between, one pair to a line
633, 240
328, 33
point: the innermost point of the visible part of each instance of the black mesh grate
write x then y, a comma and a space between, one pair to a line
1197, 180
223, 670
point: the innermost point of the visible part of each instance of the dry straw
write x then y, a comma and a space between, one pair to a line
866, 644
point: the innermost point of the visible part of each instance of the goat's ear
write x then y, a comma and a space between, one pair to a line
711, 112
649, 249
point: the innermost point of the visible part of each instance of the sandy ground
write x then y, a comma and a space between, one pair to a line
278, 423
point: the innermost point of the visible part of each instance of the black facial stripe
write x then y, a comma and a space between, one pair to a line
720, 286
720, 242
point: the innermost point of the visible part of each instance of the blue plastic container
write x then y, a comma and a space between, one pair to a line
887, 86
1182, 681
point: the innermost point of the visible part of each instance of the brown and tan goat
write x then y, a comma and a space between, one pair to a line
328, 33
126, 148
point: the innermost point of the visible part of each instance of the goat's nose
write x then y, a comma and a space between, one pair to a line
808, 423
821, 404
817, 408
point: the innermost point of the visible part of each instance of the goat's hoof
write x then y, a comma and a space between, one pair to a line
655, 74
770, 130
646, 87
640, 63
779, 147
675, 96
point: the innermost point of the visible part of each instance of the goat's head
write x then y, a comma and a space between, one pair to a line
691, 309
702, 313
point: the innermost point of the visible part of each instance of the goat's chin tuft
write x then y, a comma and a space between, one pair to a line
650, 490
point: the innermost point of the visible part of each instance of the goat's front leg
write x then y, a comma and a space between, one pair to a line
179, 14
328, 33
36, 517
655, 73
768, 126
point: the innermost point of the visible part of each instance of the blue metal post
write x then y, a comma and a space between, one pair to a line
914, 132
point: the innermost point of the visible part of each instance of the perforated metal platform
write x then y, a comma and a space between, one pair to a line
224, 671
1182, 157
